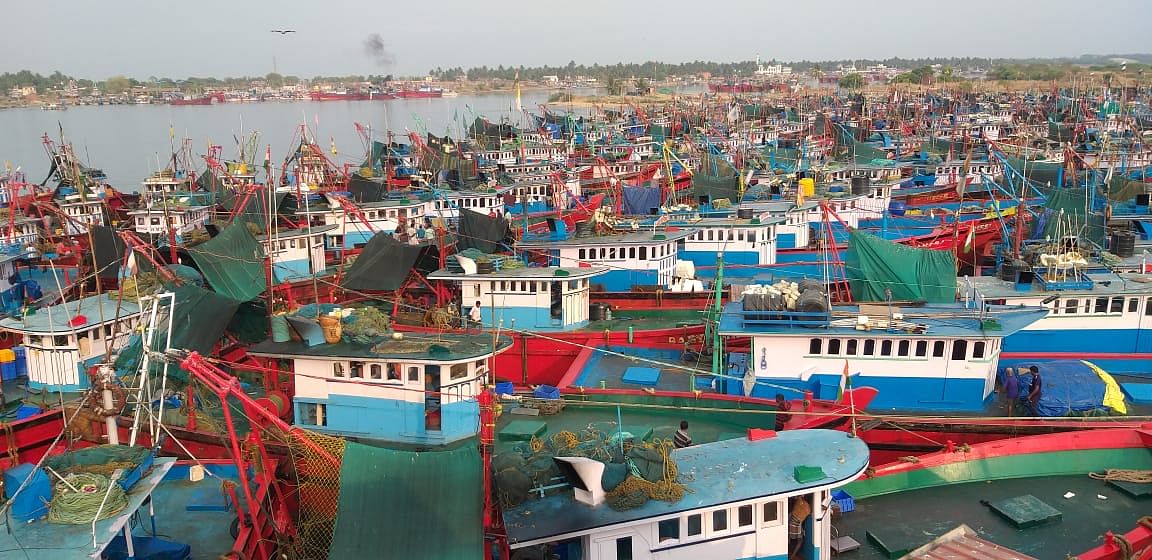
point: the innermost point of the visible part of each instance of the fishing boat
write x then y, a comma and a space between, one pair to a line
1042, 496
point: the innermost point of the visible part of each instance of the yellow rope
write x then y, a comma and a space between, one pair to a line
1124, 475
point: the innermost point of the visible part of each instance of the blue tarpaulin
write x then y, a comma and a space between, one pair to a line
1068, 388
639, 200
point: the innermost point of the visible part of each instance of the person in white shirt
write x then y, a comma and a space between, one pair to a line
474, 314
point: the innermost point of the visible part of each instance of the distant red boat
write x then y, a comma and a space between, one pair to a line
422, 93
350, 96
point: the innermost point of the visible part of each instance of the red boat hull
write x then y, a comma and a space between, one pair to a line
417, 94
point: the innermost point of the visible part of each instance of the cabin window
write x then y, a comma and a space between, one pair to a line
834, 346
1133, 305
643, 253
902, 348
393, 372
356, 369
815, 345
869, 347
624, 548
978, 349
155, 221
668, 530
1117, 305
338, 369
314, 414
413, 373
720, 520
611, 252
771, 514
885, 347
458, 371
1101, 305
744, 516
60, 340
959, 349
532, 287
572, 284
1071, 306
631, 252
580, 254
695, 525
374, 371
938, 349
850, 347
921, 348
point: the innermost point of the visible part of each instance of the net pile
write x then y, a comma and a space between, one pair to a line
82, 497
635, 472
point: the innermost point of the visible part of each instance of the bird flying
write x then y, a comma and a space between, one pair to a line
283, 31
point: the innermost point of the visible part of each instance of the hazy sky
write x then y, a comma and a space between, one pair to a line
141, 38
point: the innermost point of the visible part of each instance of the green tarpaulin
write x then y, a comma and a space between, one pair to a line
1066, 213
405, 504
875, 265
232, 262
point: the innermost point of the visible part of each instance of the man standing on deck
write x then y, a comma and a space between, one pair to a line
797, 514
1011, 388
474, 315
1036, 388
682, 439
783, 414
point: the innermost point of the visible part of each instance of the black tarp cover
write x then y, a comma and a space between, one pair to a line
108, 251
481, 232
364, 189
383, 264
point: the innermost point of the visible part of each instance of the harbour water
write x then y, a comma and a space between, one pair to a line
127, 141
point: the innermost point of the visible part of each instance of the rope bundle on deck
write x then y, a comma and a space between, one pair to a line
79, 498
1124, 475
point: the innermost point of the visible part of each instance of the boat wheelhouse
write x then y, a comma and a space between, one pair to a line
409, 389
63, 341
385, 216
81, 215
538, 299
296, 254
794, 231
175, 217
166, 183
934, 357
737, 506
22, 232
537, 196
632, 259
1093, 314
447, 204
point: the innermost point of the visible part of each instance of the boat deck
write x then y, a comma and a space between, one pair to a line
645, 421
912, 519
206, 531
647, 319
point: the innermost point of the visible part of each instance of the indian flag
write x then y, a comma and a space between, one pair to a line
845, 383
971, 239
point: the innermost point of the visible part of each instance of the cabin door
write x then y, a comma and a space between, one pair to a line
620, 547
432, 399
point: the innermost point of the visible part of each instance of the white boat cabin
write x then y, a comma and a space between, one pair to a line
540, 299
633, 259
166, 183
296, 254
81, 216
63, 341
740, 495
419, 391
743, 242
159, 220
448, 204
385, 216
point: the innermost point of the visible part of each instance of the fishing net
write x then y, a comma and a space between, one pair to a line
634, 473
319, 492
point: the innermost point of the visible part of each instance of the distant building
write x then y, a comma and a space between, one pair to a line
550, 79
771, 69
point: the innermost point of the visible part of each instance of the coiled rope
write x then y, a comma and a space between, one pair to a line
79, 496
1124, 475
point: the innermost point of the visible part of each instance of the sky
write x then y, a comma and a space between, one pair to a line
143, 38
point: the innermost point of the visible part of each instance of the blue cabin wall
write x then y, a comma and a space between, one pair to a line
286, 270
392, 420
537, 318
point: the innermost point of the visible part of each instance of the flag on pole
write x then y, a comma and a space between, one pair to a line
971, 239
845, 383
268, 161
